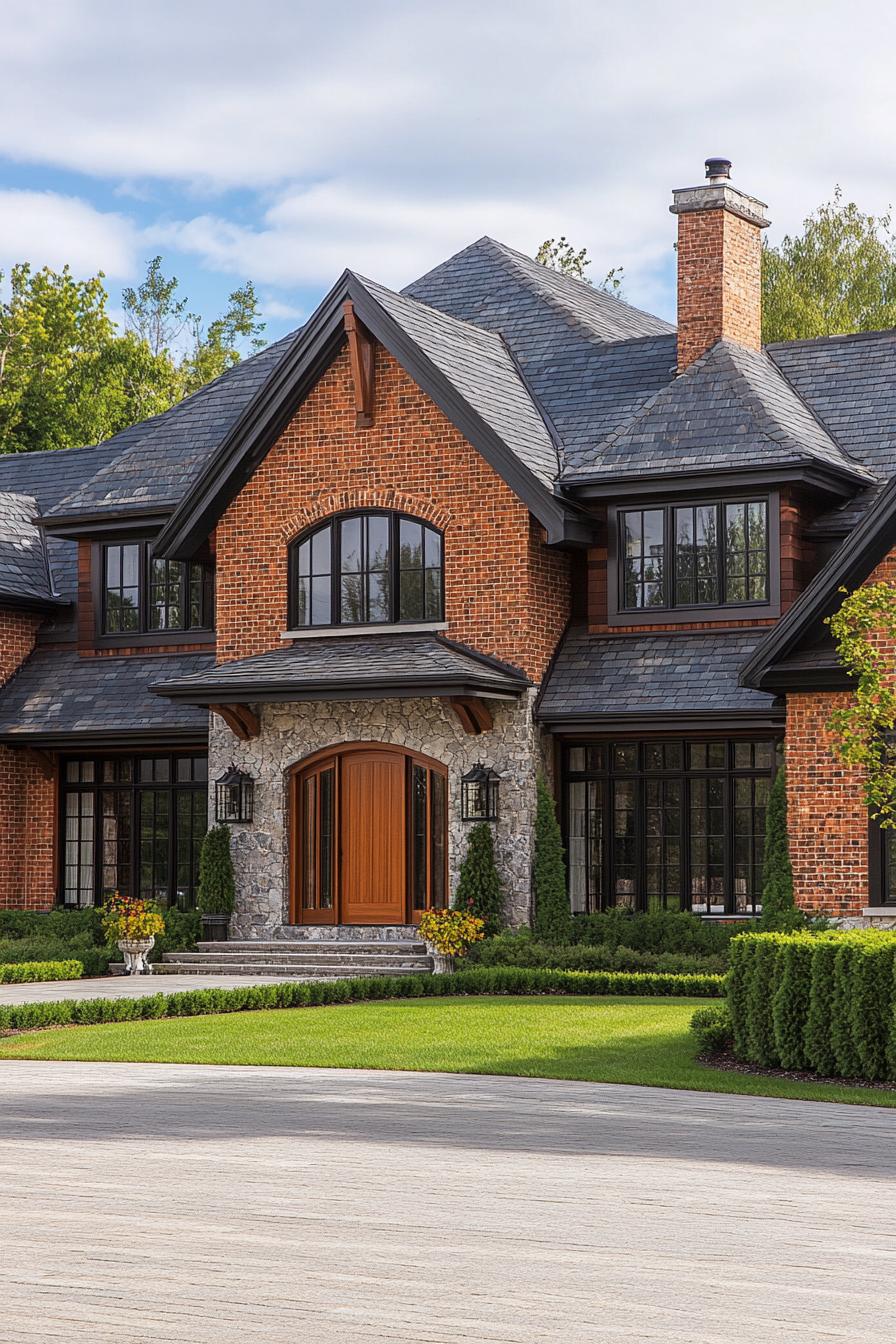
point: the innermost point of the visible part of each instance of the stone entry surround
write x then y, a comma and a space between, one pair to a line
292, 731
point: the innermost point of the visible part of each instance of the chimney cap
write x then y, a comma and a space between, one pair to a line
718, 170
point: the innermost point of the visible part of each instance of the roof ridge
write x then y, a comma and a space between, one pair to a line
474, 327
646, 407
835, 336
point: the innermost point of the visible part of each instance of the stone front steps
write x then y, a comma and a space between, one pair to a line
301, 959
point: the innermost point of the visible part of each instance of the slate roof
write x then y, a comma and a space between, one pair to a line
157, 461
58, 694
662, 675
24, 567
731, 408
350, 667
481, 368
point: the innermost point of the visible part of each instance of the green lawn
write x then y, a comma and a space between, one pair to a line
610, 1040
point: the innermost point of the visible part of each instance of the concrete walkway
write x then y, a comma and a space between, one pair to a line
266, 1206
130, 986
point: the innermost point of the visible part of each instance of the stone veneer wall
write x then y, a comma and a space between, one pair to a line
289, 732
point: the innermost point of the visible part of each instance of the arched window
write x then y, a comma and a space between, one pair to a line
366, 569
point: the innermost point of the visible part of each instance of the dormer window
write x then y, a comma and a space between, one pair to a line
366, 568
675, 557
145, 595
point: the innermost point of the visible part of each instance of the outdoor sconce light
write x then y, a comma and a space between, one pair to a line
234, 793
479, 794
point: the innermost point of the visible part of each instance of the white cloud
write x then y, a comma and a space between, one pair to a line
383, 137
49, 230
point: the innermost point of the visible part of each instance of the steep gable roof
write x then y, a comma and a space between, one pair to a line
872, 539
731, 409
469, 374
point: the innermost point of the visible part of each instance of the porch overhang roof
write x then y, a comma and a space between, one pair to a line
362, 667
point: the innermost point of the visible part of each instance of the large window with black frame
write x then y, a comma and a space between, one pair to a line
667, 824
133, 824
143, 594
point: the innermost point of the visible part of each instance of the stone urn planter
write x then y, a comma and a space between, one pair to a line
135, 952
441, 964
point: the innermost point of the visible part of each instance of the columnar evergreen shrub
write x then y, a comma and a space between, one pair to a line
825, 1002
790, 1005
779, 910
819, 1054
479, 886
552, 920
216, 892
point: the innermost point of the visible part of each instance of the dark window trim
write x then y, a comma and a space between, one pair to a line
617, 614
878, 892
729, 772
98, 787
334, 521
144, 635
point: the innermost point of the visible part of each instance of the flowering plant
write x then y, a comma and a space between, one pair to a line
129, 918
451, 932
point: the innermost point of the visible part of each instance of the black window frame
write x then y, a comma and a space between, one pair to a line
134, 787
335, 523
669, 612
144, 632
881, 872
607, 775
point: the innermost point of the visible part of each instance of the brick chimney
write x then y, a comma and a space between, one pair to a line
719, 264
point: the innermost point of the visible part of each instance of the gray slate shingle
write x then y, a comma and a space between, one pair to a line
363, 661
599, 676
58, 692
24, 567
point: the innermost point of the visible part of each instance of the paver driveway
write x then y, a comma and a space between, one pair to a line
193, 1204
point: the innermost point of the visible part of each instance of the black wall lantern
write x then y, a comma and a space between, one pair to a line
234, 794
479, 794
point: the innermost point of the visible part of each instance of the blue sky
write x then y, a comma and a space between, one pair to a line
282, 141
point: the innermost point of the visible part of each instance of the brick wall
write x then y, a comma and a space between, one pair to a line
827, 815
719, 286
27, 795
506, 592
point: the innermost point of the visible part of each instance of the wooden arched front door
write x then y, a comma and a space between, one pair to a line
369, 827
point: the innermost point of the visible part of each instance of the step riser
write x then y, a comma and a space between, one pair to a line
287, 973
314, 949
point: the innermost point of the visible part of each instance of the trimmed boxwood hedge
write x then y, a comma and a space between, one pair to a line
310, 993
27, 972
818, 1002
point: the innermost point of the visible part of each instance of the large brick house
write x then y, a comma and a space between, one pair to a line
500, 519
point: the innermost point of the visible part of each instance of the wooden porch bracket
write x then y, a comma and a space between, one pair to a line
361, 350
474, 714
242, 720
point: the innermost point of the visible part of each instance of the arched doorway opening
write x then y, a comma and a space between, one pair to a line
368, 836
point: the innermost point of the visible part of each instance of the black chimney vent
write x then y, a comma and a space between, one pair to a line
716, 168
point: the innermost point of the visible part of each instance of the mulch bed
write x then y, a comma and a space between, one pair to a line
725, 1060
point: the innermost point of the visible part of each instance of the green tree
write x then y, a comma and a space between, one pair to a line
552, 921
153, 312
558, 254
221, 345
837, 276
479, 886
216, 891
779, 912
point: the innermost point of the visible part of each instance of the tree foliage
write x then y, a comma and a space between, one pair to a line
837, 276
558, 254
216, 891
864, 630
552, 920
69, 376
779, 910
479, 886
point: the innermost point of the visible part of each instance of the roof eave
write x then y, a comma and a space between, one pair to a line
277, 691
108, 522
665, 721
831, 481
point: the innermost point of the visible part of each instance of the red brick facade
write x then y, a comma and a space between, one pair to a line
506, 592
827, 814
719, 288
27, 795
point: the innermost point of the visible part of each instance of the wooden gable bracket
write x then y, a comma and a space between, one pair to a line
361, 351
242, 720
474, 714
